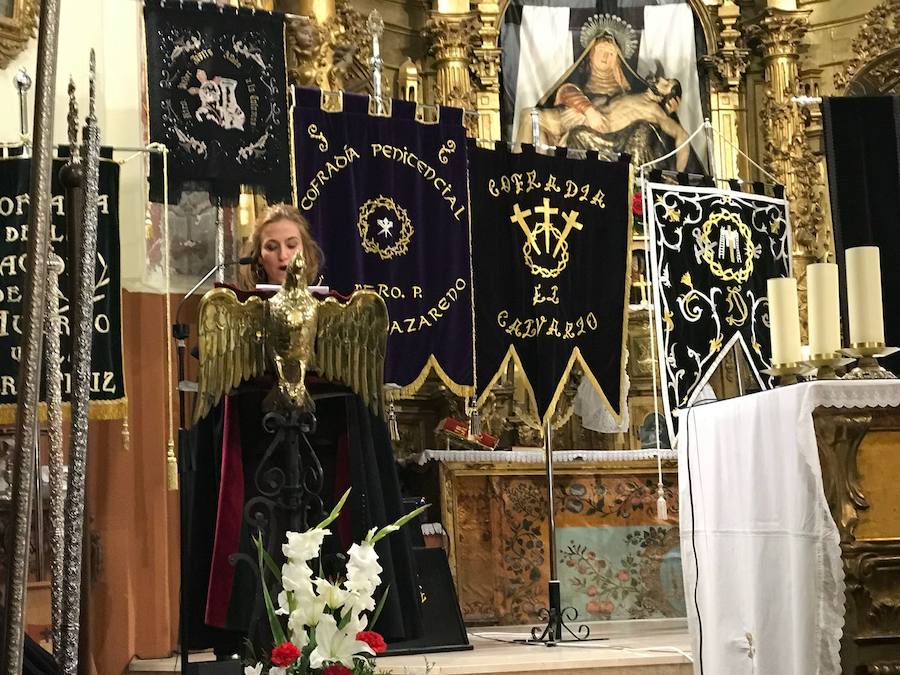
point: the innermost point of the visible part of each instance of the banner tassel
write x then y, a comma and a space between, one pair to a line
392, 422
171, 467
126, 434
474, 419
662, 512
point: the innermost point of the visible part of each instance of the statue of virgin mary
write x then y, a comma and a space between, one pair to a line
600, 103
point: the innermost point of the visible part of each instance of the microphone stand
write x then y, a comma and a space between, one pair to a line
180, 332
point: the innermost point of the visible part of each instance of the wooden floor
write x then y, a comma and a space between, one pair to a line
632, 648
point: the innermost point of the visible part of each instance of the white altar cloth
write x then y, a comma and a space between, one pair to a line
771, 584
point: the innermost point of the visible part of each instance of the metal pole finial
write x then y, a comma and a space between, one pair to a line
92, 88
375, 25
72, 122
22, 80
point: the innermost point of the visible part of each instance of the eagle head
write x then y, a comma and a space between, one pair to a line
295, 276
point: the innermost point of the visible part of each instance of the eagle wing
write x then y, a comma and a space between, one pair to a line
350, 345
232, 345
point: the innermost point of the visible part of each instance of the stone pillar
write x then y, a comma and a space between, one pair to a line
452, 38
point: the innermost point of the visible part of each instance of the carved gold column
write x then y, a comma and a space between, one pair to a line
486, 71
787, 153
779, 33
452, 36
727, 72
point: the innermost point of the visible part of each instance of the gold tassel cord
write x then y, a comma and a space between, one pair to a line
171, 459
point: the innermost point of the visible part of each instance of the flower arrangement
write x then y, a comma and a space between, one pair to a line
319, 625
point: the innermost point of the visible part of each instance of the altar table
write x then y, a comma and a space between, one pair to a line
763, 570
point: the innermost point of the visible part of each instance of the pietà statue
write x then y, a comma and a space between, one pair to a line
290, 334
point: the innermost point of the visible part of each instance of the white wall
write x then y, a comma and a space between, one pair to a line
114, 29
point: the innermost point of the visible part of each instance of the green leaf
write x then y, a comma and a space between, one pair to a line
379, 606
270, 563
397, 524
274, 623
335, 512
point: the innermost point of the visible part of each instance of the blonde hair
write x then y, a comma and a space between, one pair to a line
250, 275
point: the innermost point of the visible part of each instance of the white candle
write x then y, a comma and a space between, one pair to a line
864, 309
824, 309
784, 321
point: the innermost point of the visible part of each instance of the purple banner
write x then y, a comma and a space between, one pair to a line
388, 202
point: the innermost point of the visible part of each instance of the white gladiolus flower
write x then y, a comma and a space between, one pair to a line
283, 607
275, 670
253, 670
333, 595
296, 577
297, 632
363, 577
303, 546
334, 645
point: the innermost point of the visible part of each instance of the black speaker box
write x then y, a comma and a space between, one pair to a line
442, 622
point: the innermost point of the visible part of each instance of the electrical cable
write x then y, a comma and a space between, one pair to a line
687, 452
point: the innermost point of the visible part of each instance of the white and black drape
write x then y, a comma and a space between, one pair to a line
218, 100
107, 379
712, 252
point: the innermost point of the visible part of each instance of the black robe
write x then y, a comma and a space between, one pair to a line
354, 449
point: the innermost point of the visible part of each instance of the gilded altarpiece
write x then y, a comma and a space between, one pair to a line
857, 448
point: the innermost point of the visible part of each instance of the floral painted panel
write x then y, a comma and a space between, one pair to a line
616, 560
621, 572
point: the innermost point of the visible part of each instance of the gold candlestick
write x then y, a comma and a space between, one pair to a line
825, 364
867, 367
787, 373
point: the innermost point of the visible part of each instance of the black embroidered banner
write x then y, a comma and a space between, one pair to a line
387, 200
107, 381
712, 252
551, 244
218, 100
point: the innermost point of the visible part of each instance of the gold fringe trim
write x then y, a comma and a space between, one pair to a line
432, 364
574, 357
97, 410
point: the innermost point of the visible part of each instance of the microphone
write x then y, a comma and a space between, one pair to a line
180, 330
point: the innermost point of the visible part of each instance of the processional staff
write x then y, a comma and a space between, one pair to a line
82, 304
34, 305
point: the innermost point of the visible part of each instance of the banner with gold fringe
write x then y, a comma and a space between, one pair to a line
108, 399
551, 255
387, 200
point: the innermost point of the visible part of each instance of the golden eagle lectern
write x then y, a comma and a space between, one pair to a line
289, 334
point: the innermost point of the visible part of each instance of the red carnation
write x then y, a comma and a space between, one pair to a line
285, 654
637, 204
337, 669
373, 639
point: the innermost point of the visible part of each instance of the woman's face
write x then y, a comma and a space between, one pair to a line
604, 56
279, 243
